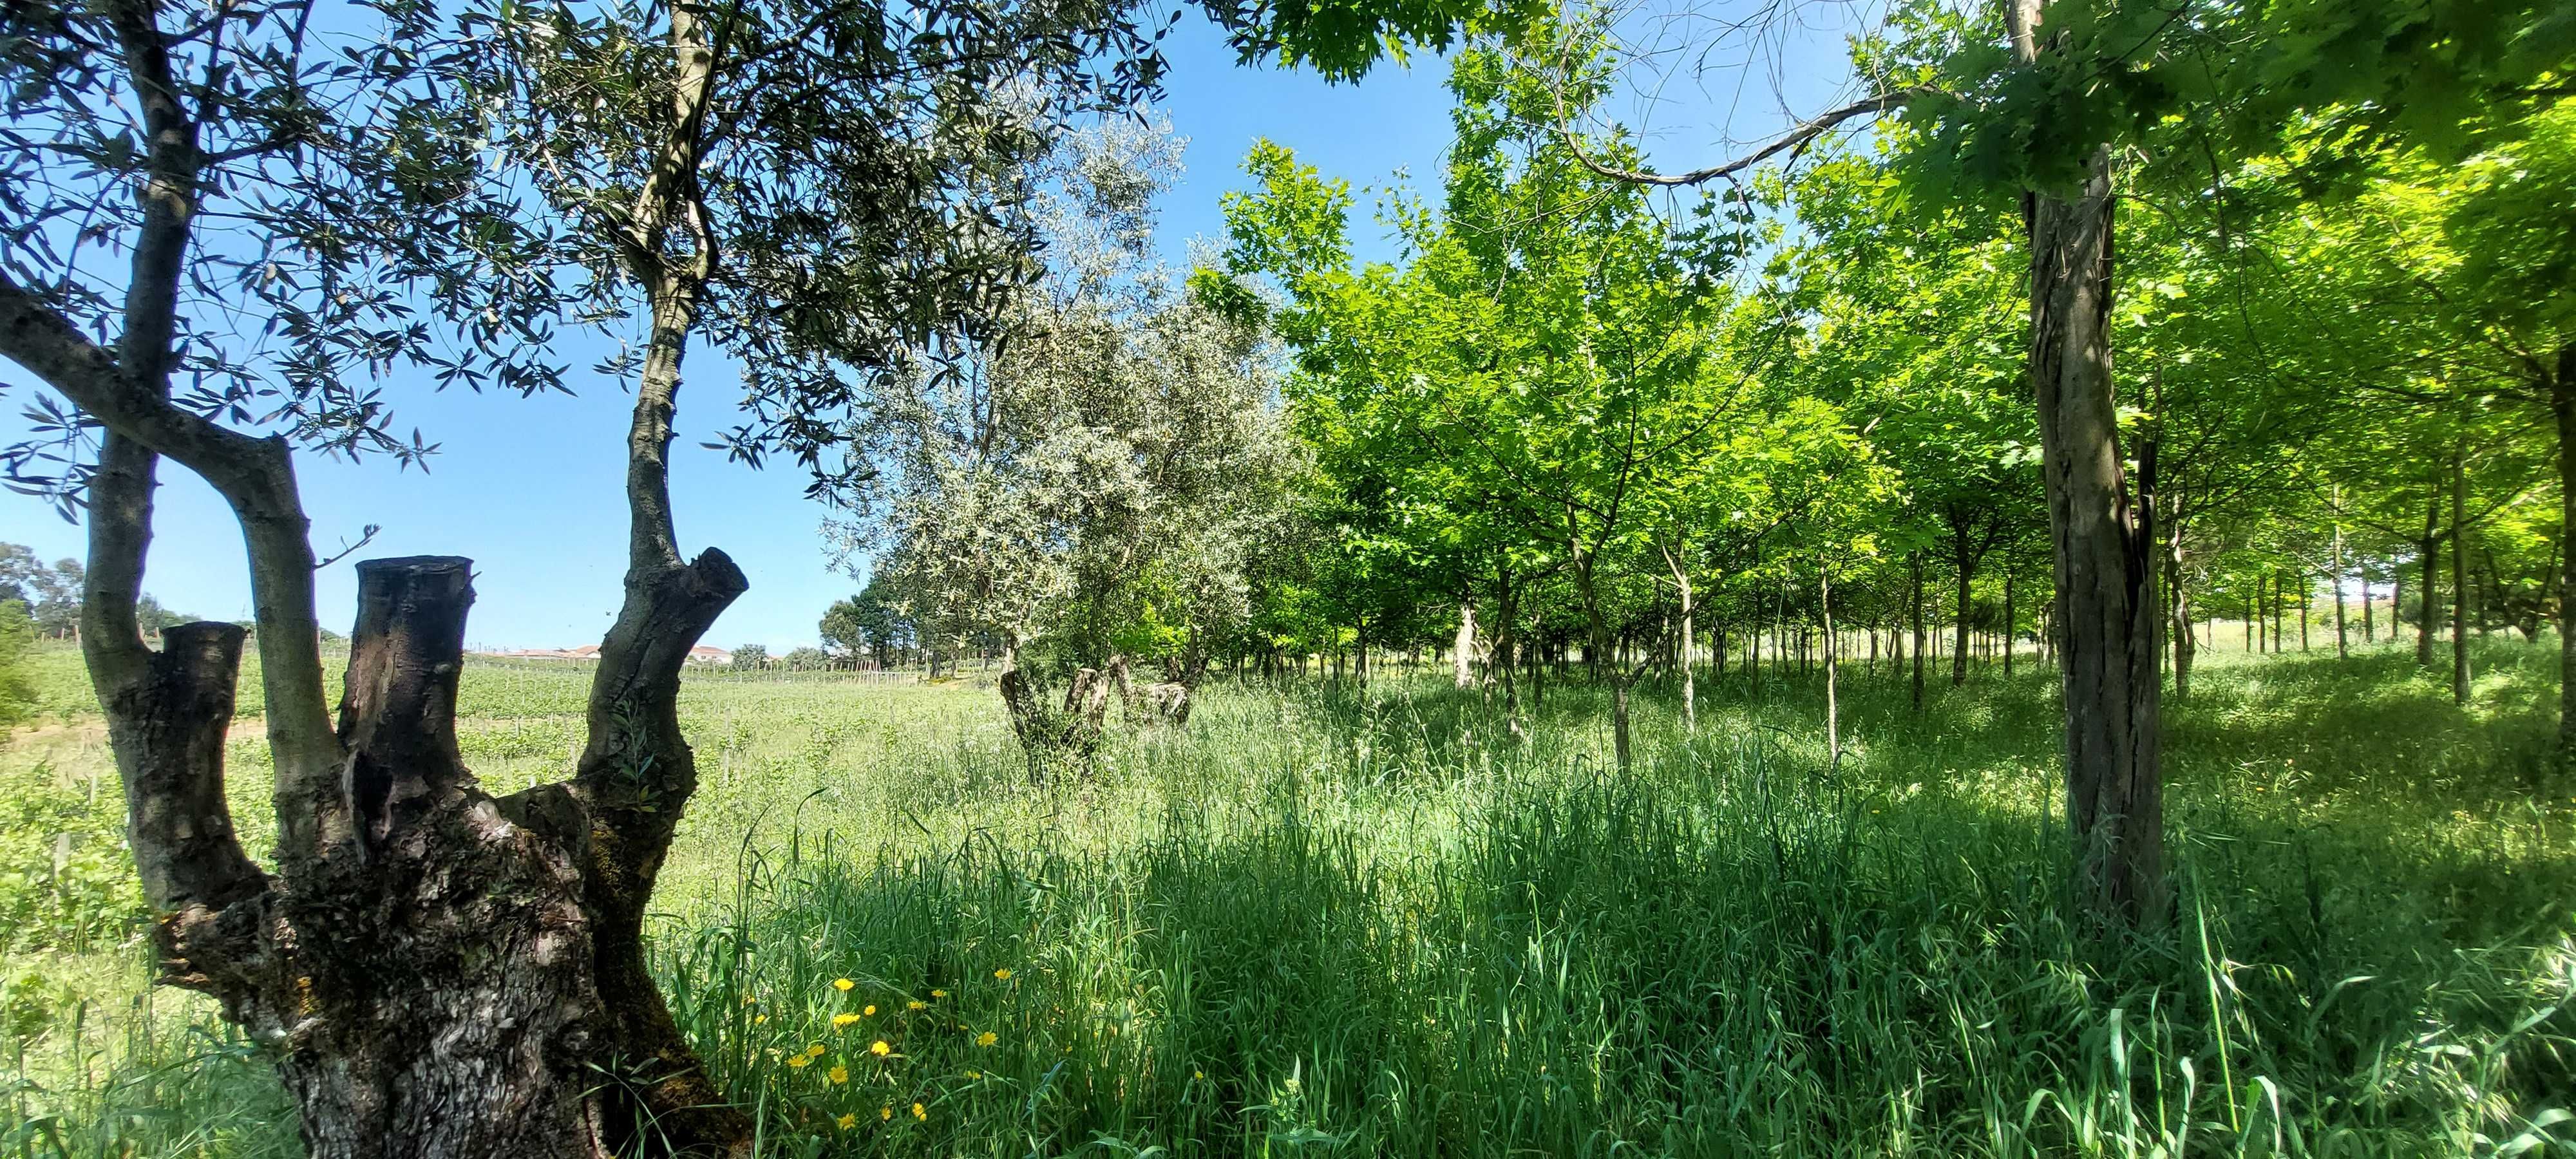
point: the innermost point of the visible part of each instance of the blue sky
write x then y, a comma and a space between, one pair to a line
530, 488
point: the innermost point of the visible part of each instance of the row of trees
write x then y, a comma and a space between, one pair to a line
50, 595
2341, 304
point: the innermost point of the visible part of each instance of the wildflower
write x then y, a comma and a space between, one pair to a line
839, 1075
798, 1062
974, 1074
885, 1113
840, 1021
1002, 975
870, 1011
816, 1050
757, 1019
843, 984
916, 1004
1198, 1074
748, 999
984, 1039
943, 993
847, 1121
879, 1048
920, 1113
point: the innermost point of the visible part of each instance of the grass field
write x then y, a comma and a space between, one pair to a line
1354, 922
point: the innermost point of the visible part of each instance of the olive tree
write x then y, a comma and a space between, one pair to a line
827, 189
1084, 489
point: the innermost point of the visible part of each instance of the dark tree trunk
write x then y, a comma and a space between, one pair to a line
2104, 543
1592, 614
2185, 647
1914, 605
2562, 402
2370, 623
1967, 565
2426, 626
2459, 582
2343, 642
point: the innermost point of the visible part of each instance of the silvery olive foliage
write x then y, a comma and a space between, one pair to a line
336, 230
1092, 481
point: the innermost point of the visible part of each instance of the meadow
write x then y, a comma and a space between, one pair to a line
1339, 920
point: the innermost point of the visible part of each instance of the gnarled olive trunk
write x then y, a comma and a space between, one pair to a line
430, 978
1051, 736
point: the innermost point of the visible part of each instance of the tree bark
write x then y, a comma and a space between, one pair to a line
1687, 643
2459, 582
2105, 575
1600, 627
1462, 658
1833, 715
428, 983
2562, 404
2185, 647
2343, 644
1914, 606
2426, 626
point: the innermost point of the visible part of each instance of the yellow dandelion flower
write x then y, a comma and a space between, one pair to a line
916, 1004
1003, 974
847, 1121
839, 1075
757, 1019
943, 993
843, 984
842, 1021
885, 1113
879, 1048
985, 1039
1198, 1074
799, 1062
870, 1011
816, 1050
920, 1113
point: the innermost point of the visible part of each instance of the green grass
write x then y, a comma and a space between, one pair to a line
1352, 923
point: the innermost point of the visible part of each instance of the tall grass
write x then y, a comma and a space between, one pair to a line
1372, 922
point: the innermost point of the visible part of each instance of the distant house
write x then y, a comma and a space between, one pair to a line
705, 654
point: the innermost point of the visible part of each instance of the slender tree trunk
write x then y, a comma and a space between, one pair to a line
1959, 648
1833, 718
1914, 574
1592, 615
2426, 626
2459, 582
2343, 645
1690, 682
2185, 647
2562, 403
2369, 597
2012, 627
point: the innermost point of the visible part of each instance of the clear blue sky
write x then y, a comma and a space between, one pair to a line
531, 489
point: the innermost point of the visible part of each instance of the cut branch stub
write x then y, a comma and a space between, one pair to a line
168, 733
398, 718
